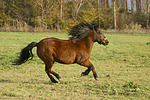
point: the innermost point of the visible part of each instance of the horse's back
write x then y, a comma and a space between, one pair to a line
58, 50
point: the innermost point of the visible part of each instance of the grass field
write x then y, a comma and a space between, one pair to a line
123, 68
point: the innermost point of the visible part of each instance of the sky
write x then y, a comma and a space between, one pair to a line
129, 4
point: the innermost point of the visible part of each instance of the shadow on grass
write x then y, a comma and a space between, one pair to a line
46, 83
6, 81
25, 82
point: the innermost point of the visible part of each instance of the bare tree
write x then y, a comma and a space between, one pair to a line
107, 3
61, 9
132, 9
138, 6
123, 4
77, 5
115, 19
147, 8
98, 12
40, 4
101, 3
126, 2
61, 12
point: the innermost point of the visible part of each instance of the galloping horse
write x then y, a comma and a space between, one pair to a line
77, 49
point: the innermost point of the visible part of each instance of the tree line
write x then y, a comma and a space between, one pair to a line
30, 15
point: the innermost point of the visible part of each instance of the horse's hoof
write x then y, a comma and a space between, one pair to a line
96, 79
55, 81
60, 79
82, 74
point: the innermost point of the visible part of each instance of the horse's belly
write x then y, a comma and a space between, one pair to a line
65, 58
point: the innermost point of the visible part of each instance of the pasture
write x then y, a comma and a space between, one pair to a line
123, 68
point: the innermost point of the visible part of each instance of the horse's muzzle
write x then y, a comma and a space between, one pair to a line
105, 43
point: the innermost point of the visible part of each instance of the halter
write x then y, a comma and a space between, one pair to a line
98, 36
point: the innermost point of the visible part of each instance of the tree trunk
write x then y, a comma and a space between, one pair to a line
98, 12
126, 1
61, 7
132, 9
42, 14
115, 20
147, 7
77, 4
101, 3
112, 1
138, 6
107, 3
61, 12
117, 3
123, 4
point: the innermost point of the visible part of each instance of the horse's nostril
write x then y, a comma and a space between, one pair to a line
107, 42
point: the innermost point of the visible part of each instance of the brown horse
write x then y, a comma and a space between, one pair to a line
75, 50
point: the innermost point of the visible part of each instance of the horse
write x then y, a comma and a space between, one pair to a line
77, 49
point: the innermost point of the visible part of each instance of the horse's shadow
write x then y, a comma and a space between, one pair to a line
24, 82
6, 81
36, 82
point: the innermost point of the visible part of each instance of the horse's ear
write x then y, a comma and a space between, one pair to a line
96, 27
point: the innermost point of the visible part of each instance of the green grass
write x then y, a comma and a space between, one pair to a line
123, 68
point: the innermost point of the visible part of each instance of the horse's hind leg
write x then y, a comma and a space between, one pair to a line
50, 76
56, 75
48, 70
90, 67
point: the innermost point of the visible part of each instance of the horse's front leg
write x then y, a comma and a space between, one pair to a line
90, 67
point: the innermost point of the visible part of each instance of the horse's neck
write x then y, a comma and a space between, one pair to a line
87, 42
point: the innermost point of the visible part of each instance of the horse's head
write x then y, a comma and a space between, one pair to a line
99, 37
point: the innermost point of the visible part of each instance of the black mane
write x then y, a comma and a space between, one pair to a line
81, 30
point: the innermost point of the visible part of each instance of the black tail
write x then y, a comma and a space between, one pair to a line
25, 54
